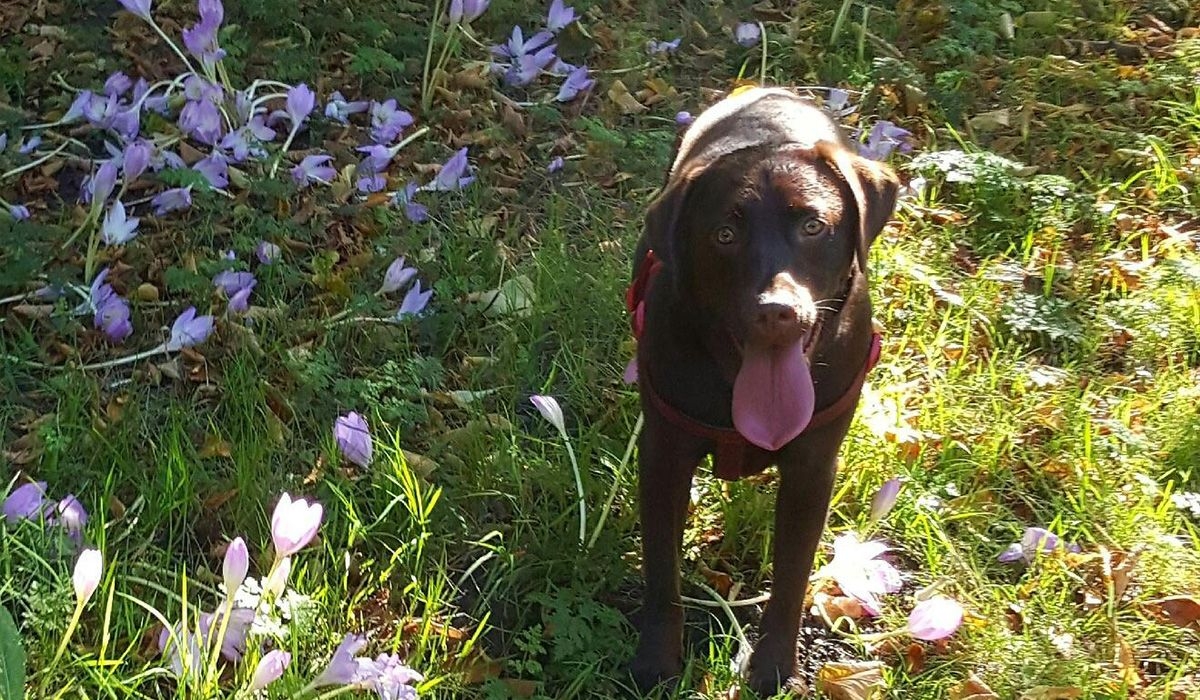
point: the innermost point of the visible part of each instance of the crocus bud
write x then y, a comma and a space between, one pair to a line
934, 619
237, 563
269, 669
884, 499
88, 569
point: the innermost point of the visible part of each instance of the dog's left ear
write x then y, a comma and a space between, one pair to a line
874, 186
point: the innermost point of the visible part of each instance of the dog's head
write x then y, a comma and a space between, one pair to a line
763, 238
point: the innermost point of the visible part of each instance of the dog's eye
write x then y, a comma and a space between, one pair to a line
813, 226
725, 236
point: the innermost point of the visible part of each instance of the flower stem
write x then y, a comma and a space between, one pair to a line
451, 42
286, 144
426, 93
127, 359
612, 492
579, 490
62, 646
172, 44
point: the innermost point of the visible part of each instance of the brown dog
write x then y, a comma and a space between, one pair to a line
754, 323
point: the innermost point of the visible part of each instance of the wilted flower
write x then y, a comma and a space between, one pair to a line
453, 174
117, 228
747, 34
71, 515
189, 330
883, 138
466, 10
141, 8
267, 252
934, 619
99, 185
859, 572
657, 47
269, 669
414, 301
342, 668
387, 121
1035, 541
371, 182
232, 282
136, 158
201, 120
20, 212
235, 565
838, 104
24, 502
215, 169
294, 524
556, 164
560, 16
239, 303
414, 211
201, 38
684, 118
171, 200
517, 46
300, 103
577, 82
117, 84
312, 169
89, 567
885, 499
527, 67
339, 109
551, 411
29, 145
397, 276
353, 437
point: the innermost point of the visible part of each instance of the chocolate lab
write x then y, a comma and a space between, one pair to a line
754, 331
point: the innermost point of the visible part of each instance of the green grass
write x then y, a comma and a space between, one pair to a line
1040, 368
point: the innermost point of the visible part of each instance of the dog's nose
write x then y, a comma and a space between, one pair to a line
778, 324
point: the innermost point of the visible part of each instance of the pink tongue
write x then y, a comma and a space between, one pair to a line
773, 396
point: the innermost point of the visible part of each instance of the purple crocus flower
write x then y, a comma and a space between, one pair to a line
3, 142
189, 330
397, 276
312, 169
517, 46
300, 103
1034, 541
414, 302
157, 103
413, 211
270, 667
71, 514
117, 84
837, 103
883, 138
453, 175
100, 185
174, 199
81, 106
113, 318
388, 677
527, 67
377, 159
232, 282
342, 668
561, 68
294, 523
885, 498
20, 212
202, 120
267, 252
387, 121
662, 47
117, 228
136, 159
466, 10
371, 182
24, 502
29, 145
859, 572
239, 303
339, 109
555, 165
242, 144
577, 82
934, 619
201, 38
215, 169
353, 438
560, 16
684, 118
141, 8
747, 34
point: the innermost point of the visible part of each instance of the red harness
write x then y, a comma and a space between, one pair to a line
734, 457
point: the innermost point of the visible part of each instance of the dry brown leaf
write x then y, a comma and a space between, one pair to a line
720, 581
215, 501
519, 687
620, 96
1179, 610
214, 446
859, 680
972, 689
478, 668
1052, 692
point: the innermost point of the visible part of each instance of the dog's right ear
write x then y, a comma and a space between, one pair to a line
661, 231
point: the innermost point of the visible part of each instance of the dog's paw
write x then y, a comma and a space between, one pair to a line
651, 670
767, 678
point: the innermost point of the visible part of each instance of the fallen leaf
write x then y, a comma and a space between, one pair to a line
972, 689
719, 580
859, 680
214, 446
515, 297
620, 96
1179, 610
1052, 692
519, 687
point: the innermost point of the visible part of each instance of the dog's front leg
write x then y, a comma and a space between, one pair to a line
801, 505
666, 462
